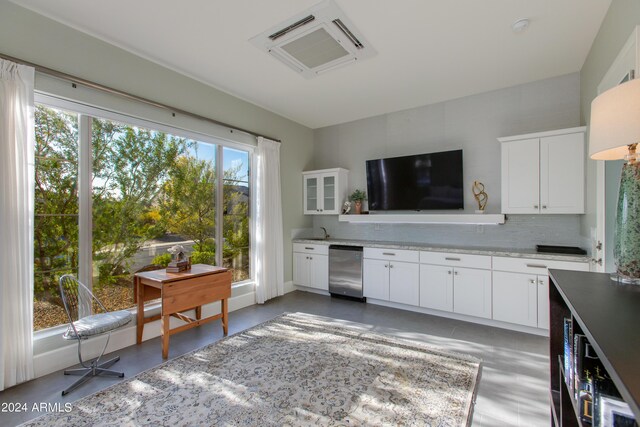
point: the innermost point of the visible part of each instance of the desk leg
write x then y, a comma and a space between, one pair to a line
199, 312
140, 315
165, 336
225, 316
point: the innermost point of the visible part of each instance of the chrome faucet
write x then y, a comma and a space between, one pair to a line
326, 235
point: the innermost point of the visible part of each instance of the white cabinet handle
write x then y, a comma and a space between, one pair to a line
532, 281
388, 253
390, 265
311, 249
544, 206
536, 266
455, 273
386, 266
540, 282
452, 259
535, 206
449, 272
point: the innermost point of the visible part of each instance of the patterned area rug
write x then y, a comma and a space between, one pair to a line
296, 369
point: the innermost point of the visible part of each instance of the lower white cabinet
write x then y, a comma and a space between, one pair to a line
517, 297
436, 287
375, 279
521, 289
386, 278
311, 266
404, 282
472, 292
454, 287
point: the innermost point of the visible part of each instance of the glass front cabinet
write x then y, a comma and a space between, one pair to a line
324, 191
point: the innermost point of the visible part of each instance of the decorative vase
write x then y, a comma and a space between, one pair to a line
626, 240
358, 207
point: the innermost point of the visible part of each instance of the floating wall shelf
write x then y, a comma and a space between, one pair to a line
482, 219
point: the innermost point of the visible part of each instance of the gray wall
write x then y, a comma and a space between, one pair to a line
472, 123
31, 37
621, 19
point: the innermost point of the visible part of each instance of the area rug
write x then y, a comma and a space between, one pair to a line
296, 369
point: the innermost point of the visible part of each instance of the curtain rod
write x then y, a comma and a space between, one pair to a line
77, 80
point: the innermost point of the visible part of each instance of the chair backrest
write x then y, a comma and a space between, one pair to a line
76, 297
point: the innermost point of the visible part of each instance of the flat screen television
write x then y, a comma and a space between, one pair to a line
419, 182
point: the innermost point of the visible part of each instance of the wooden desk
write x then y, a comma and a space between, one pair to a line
180, 292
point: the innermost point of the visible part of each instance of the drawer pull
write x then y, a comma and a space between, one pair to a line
452, 259
388, 253
536, 266
311, 249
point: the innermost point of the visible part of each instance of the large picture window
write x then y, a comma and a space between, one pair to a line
148, 190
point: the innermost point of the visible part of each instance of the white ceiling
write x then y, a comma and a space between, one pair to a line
428, 50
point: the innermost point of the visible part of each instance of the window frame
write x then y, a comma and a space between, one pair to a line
85, 114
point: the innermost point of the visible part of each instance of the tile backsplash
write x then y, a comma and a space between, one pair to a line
518, 232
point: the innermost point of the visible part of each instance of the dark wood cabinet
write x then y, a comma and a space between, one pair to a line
608, 314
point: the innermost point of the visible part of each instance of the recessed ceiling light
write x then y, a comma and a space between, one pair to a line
520, 25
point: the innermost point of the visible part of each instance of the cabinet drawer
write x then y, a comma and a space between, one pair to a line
310, 248
392, 254
535, 266
456, 260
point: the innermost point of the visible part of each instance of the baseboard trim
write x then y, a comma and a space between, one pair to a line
67, 355
288, 287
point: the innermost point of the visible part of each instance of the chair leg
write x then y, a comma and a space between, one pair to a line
93, 371
109, 373
86, 377
77, 371
109, 362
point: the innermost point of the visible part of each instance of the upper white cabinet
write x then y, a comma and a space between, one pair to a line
543, 172
324, 191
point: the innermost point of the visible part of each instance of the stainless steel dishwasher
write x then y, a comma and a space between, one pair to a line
345, 271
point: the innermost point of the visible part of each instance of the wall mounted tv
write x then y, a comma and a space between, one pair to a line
419, 182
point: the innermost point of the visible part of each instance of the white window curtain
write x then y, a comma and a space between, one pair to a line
269, 250
17, 142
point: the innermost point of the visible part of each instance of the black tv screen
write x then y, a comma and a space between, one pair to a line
419, 182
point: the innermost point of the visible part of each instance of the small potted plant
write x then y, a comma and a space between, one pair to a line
357, 197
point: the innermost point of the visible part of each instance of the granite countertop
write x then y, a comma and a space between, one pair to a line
515, 253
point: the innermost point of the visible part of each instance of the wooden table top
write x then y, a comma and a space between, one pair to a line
161, 276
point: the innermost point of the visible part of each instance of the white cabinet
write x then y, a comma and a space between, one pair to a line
472, 292
458, 283
391, 275
324, 191
521, 289
311, 266
543, 172
515, 298
436, 287
375, 279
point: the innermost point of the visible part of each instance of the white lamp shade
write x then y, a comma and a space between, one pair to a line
615, 121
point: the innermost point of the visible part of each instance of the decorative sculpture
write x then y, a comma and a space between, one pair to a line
179, 261
480, 195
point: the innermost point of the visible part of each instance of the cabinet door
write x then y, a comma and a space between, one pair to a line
319, 272
300, 269
436, 287
543, 302
404, 282
520, 176
329, 194
472, 292
515, 298
562, 174
375, 276
312, 196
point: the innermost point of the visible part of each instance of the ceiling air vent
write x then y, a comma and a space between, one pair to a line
315, 41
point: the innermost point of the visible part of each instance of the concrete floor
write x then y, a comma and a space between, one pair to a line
513, 389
